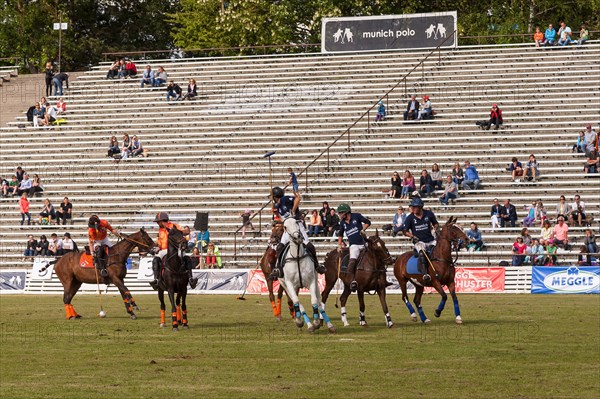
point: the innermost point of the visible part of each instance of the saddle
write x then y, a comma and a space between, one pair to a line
346, 260
86, 261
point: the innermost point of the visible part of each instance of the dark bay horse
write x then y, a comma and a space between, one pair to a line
174, 280
370, 276
266, 262
72, 275
443, 267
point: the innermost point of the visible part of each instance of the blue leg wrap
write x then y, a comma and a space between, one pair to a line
410, 307
456, 307
297, 311
325, 317
315, 312
306, 319
421, 313
441, 306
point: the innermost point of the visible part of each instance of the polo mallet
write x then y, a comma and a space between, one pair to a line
339, 267
102, 313
241, 297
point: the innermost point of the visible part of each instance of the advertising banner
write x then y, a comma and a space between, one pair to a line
221, 281
388, 32
565, 280
258, 283
12, 281
38, 264
145, 270
467, 280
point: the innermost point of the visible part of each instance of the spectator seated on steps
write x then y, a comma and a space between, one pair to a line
160, 77
25, 185
380, 112
113, 147
581, 144
538, 37
147, 77
531, 171
412, 109
426, 111
192, 91
591, 163
550, 36
471, 180
38, 115
137, 148
475, 239
173, 91
516, 169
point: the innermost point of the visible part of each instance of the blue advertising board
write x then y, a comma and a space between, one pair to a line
565, 280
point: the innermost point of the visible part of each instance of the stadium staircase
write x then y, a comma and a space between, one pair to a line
206, 155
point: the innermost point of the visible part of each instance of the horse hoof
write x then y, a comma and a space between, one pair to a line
413, 317
458, 320
133, 317
362, 323
437, 314
311, 328
317, 324
161, 325
277, 318
175, 329
346, 324
78, 316
299, 323
332, 329
185, 327
426, 321
390, 324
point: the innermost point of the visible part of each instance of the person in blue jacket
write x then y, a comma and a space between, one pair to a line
550, 36
471, 181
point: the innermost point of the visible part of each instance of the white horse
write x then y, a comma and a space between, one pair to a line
299, 272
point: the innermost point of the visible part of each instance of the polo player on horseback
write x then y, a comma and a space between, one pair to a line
354, 224
417, 227
162, 218
98, 236
286, 206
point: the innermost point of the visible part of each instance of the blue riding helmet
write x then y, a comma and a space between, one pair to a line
417, 202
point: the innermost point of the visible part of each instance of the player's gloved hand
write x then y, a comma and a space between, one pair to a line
414, 240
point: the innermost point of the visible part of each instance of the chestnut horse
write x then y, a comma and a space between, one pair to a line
72, 275
174, 280
266, 264
370, 276
443, 272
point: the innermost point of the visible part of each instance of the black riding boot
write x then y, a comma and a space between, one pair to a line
275, 270
156, 264
188, 265
424, 267
310, 248
100, 263
351, 273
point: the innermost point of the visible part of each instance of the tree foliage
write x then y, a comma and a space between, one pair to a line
97, 26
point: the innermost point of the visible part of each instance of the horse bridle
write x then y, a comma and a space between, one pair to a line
138, 243
455, 245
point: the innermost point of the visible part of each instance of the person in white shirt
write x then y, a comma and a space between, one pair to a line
577, 211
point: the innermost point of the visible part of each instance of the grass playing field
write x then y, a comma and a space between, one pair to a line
509, 346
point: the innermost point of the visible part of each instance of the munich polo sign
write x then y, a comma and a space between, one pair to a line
388, 32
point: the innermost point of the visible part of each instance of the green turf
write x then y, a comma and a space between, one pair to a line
510, 346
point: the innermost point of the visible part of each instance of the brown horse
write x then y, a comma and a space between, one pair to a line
370, 276
72, 275
266, 264
174, 280
443, 272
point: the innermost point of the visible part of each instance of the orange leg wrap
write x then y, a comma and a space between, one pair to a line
179, 313
274, 308
68, 311
279, 307
73, 312
184, 319
174, 319
162, 316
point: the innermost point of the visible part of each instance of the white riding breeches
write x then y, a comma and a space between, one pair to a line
423, 246
355, 251
105, 241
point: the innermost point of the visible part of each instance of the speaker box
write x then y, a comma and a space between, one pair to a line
201, 223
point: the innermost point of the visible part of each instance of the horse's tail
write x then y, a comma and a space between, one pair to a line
51, 263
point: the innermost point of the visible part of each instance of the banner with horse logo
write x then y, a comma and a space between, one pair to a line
12, 281
565, 280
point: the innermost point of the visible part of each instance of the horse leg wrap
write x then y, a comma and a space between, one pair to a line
421, 313
409, 306
174, 319
315, 312
179, 314
297, 311
68, 311
184, 319
456, 307
162, 316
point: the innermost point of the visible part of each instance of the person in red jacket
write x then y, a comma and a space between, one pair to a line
130, 69
495, 118
24, 207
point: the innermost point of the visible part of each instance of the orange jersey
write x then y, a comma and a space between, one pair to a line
538, 36
163, 235
101, 233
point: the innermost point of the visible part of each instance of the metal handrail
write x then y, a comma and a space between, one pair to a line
213, 49
522, 35
367, 113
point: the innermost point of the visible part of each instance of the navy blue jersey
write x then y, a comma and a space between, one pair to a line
353, 228
284, 208
420, 228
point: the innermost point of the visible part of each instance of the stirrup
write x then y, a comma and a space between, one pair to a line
104, 273
427, 278
320, 269
353, 286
